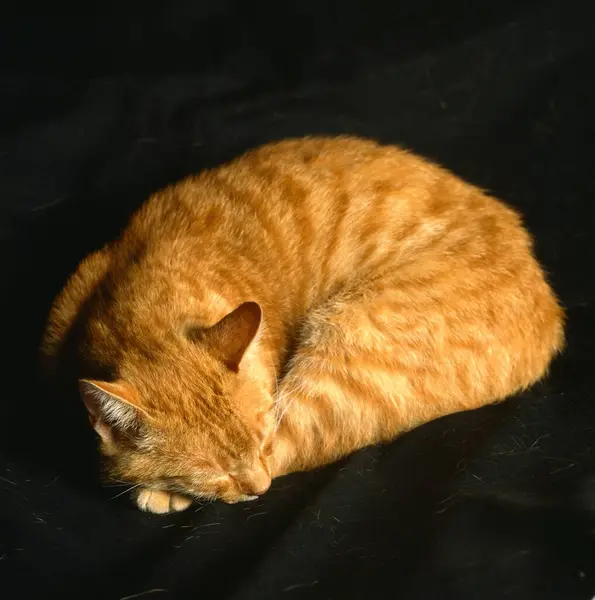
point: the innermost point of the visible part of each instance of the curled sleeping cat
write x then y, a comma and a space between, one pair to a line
310, 298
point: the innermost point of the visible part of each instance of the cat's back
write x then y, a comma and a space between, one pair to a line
286, 197
322, 207
318, 165
314, 176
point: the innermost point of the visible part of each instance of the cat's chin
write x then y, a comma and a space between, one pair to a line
242, 498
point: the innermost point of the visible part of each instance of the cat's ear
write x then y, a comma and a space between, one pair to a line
232, 335
110, 405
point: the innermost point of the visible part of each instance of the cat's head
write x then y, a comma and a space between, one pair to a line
197, 419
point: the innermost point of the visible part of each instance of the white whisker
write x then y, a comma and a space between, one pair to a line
125, 491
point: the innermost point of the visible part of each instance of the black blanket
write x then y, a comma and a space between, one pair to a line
98, 111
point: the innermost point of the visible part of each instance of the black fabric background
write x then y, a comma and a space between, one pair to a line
97, 111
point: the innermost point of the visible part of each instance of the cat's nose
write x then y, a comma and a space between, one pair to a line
252, 491
262, 490
258, 482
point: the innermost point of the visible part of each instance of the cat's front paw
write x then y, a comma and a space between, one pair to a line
161, 502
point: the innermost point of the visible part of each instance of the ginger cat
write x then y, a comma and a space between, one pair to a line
310, 298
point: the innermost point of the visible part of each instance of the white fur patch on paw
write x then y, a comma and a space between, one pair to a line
160, 502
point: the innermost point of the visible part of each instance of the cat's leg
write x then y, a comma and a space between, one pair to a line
373, 365
160, 501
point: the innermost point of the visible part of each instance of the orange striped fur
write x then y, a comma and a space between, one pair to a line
310, 298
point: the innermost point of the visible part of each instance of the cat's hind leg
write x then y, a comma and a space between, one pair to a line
376, 363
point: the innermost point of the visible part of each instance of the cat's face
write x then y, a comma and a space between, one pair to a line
198, 424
